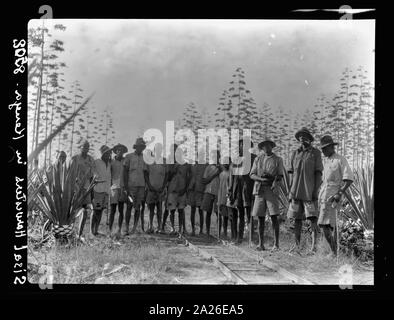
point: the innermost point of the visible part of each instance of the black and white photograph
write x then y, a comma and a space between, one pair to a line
200, 151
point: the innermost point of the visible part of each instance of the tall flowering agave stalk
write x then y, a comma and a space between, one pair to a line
59, 194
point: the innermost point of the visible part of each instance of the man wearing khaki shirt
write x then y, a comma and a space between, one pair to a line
118, 192
84, 162
267, 172
134, 181
102, 171
337, 177
306, 172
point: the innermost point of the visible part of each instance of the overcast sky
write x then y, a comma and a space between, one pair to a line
147, 71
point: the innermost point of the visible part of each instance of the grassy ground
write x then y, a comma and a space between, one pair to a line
137, 259
162, 259
319, 268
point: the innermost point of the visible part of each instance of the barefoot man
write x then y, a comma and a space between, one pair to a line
85, 163
306, 169
241, 188
118, 192
156, 179
267, 172
179, 179
337, 177
196, 192
134, 181
211, 182
102, 170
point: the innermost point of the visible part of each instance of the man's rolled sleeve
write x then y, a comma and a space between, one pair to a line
253, 171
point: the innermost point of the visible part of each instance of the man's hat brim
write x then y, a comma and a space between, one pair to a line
300, 132
329, 144
120, 146
106, 151
262, 143
83, 143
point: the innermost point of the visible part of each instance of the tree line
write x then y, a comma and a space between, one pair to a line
52, 100
348, 116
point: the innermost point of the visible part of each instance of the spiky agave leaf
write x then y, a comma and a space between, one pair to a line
283, 190
60, 193
43, 199
360, 196
81, 194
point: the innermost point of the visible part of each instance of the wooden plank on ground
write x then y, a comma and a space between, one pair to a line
290, 275
226, 271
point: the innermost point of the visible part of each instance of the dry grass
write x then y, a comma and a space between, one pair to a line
162, 260
139, 259
321, 267
135, 262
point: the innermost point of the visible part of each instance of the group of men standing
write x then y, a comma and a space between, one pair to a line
316, 186
228, 189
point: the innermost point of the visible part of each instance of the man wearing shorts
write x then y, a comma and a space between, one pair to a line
85, 163
155, 179
169, 164
337, 177
241, 189
267, 172
118, 192
134, 181
102, 171
211, 182
306, 169
196, 192
224, 211
177, 187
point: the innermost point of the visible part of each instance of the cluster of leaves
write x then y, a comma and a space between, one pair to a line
353, 242
60, 192
358, 205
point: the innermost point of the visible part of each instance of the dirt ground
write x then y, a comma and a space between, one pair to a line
138, 259
164, 259
319, 268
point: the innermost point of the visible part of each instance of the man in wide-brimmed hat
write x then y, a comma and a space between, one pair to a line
267, 171
305, 171
102, 170
85, 163
118, 192
337, 177
134, 182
